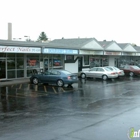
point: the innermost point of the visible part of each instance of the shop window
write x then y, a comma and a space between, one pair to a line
32, 61
11, 63
11, 74
20, 63
20, 73
2, 55
70, 57
56, 61
86, 60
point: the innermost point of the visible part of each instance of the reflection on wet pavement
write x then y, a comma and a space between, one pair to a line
64, 110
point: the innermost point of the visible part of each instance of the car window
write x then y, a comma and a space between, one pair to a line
55, 72
107, 69
100, 69
47, 72
127, 67
93, 69
135, 67
116, 68
65, 72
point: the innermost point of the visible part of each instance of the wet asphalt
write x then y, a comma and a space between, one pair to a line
92, 110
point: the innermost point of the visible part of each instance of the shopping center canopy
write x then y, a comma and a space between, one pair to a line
77, 43
110, 45
126, 47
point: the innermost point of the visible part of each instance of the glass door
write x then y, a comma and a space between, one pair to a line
2, 69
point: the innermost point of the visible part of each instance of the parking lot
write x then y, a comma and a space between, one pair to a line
49, 112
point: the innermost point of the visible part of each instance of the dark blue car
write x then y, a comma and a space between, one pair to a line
55, 76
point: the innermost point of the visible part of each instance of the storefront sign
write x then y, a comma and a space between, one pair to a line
138, 54
128, 53
112, 53
59, 51
91, 52
12, 49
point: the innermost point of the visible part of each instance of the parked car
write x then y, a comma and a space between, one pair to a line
117, 70
131, 70
55, 76
98, 72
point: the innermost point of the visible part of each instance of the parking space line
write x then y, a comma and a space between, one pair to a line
28, 87
36, 87
20, 86
45, 89
54, 90
63, 90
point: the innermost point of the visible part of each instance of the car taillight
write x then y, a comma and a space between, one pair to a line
119, 72
69, 77
113, 73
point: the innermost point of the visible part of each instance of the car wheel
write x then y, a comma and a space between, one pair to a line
104, 77
83, 75
35, 81
60, 83
131, 74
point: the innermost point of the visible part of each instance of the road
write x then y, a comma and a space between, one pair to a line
92, 109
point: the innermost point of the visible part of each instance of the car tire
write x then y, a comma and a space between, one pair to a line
131, 74
35, 81
83, 75
60, 83
104, 77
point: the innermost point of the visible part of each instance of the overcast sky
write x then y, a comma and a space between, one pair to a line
102, 19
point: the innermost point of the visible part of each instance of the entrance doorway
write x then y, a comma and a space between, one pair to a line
80, 63
47, 64
2, 68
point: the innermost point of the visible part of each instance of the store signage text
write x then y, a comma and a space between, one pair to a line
138, 54
128, 53
112, 53
91, 52
59, 51
10, 49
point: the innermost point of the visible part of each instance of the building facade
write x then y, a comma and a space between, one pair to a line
20, 59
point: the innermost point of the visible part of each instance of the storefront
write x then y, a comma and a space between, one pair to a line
22, 59
57, 58
18, 62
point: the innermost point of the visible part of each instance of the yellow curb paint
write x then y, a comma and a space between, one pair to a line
45, 89
28, 86
36, 87
54, 89
20, 86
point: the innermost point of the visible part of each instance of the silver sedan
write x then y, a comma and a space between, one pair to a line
98, 72
115, 69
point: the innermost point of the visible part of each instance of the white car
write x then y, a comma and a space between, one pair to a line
115, 69
98, 72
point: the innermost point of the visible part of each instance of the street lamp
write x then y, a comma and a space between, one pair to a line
28, 38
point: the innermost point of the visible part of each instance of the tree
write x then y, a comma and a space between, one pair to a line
42, 37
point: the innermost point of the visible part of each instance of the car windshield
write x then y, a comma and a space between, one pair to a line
65, 72
116, 68
135, 67
107, 69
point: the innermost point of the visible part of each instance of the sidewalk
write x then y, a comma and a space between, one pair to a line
15, 81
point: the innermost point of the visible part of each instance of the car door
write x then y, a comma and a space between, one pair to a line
127, 69
99, 73
54, 76
92, 72
46, 77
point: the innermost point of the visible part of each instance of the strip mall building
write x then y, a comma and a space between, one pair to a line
19, 59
